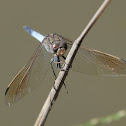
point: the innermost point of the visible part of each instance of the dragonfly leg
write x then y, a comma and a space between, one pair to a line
58, 65
52, 59
65, 87
57, 61
64, 57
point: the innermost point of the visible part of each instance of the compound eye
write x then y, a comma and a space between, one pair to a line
54, 46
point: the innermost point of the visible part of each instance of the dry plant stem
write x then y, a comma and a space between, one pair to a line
68, 62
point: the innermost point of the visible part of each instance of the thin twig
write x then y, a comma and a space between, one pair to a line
62, 75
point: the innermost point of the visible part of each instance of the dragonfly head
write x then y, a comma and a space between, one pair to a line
59, 48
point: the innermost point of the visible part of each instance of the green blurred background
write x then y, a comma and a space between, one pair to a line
89, 96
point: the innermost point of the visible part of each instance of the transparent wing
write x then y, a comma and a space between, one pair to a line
29, 77
91, 61
34, 34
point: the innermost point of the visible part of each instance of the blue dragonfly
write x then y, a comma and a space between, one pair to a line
52, 48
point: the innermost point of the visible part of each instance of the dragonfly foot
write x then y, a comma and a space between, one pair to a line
63, 69
67, 64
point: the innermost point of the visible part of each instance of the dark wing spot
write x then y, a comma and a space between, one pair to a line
7, 90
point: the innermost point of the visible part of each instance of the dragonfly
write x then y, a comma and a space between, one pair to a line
52, 48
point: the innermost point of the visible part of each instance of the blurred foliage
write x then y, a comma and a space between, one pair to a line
105, 120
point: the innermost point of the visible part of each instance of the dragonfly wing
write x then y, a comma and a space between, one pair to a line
29, 77
34, 34
90, 61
